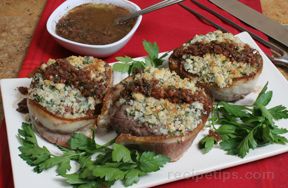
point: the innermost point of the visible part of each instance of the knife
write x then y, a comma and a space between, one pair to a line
254, 19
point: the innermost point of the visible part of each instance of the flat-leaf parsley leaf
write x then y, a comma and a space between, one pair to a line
129, 65
242, 128
98, 165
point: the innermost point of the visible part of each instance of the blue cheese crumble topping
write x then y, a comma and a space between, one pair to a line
167, 79
218, 69
60, 99
66, 100
164, 117
217, 36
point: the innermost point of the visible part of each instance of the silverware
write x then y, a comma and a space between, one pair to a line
282, 56
253, 18
151, 8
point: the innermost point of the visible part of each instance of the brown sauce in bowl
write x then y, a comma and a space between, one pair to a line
94, 24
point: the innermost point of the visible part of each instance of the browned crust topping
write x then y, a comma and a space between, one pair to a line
63, 72
216, 59
172, 94
144, 107
230, 50
151, 89
73, 87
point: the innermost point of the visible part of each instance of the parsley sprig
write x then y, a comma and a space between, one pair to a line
129, 65
99, 165
245, 127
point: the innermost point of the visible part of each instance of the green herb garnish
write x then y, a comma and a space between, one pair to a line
99, 165
129, 65
245, 127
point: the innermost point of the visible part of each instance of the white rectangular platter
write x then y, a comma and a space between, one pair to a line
192, 163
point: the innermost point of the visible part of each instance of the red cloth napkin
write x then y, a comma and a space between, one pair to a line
169, 27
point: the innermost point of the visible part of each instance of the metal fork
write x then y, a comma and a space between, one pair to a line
282, 56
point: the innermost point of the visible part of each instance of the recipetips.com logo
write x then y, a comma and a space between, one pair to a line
222, 175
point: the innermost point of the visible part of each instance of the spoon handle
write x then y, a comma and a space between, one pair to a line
151, 8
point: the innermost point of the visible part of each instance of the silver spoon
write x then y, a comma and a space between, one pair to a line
151, 8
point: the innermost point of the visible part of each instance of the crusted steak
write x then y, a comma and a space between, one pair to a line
66, 95
221, 62
157, 110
